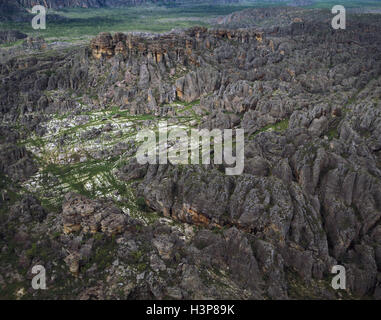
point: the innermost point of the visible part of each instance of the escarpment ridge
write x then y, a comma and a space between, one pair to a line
105, 45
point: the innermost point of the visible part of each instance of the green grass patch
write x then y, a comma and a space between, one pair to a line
83, 22
328, 4
12, 44
277, 127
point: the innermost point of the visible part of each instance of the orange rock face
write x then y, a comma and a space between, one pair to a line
103, 46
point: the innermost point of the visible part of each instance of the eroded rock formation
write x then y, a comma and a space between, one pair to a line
309, 197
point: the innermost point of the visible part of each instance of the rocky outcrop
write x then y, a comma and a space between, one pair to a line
80, 213
158, 46
11, 36
37, 43
15, 161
